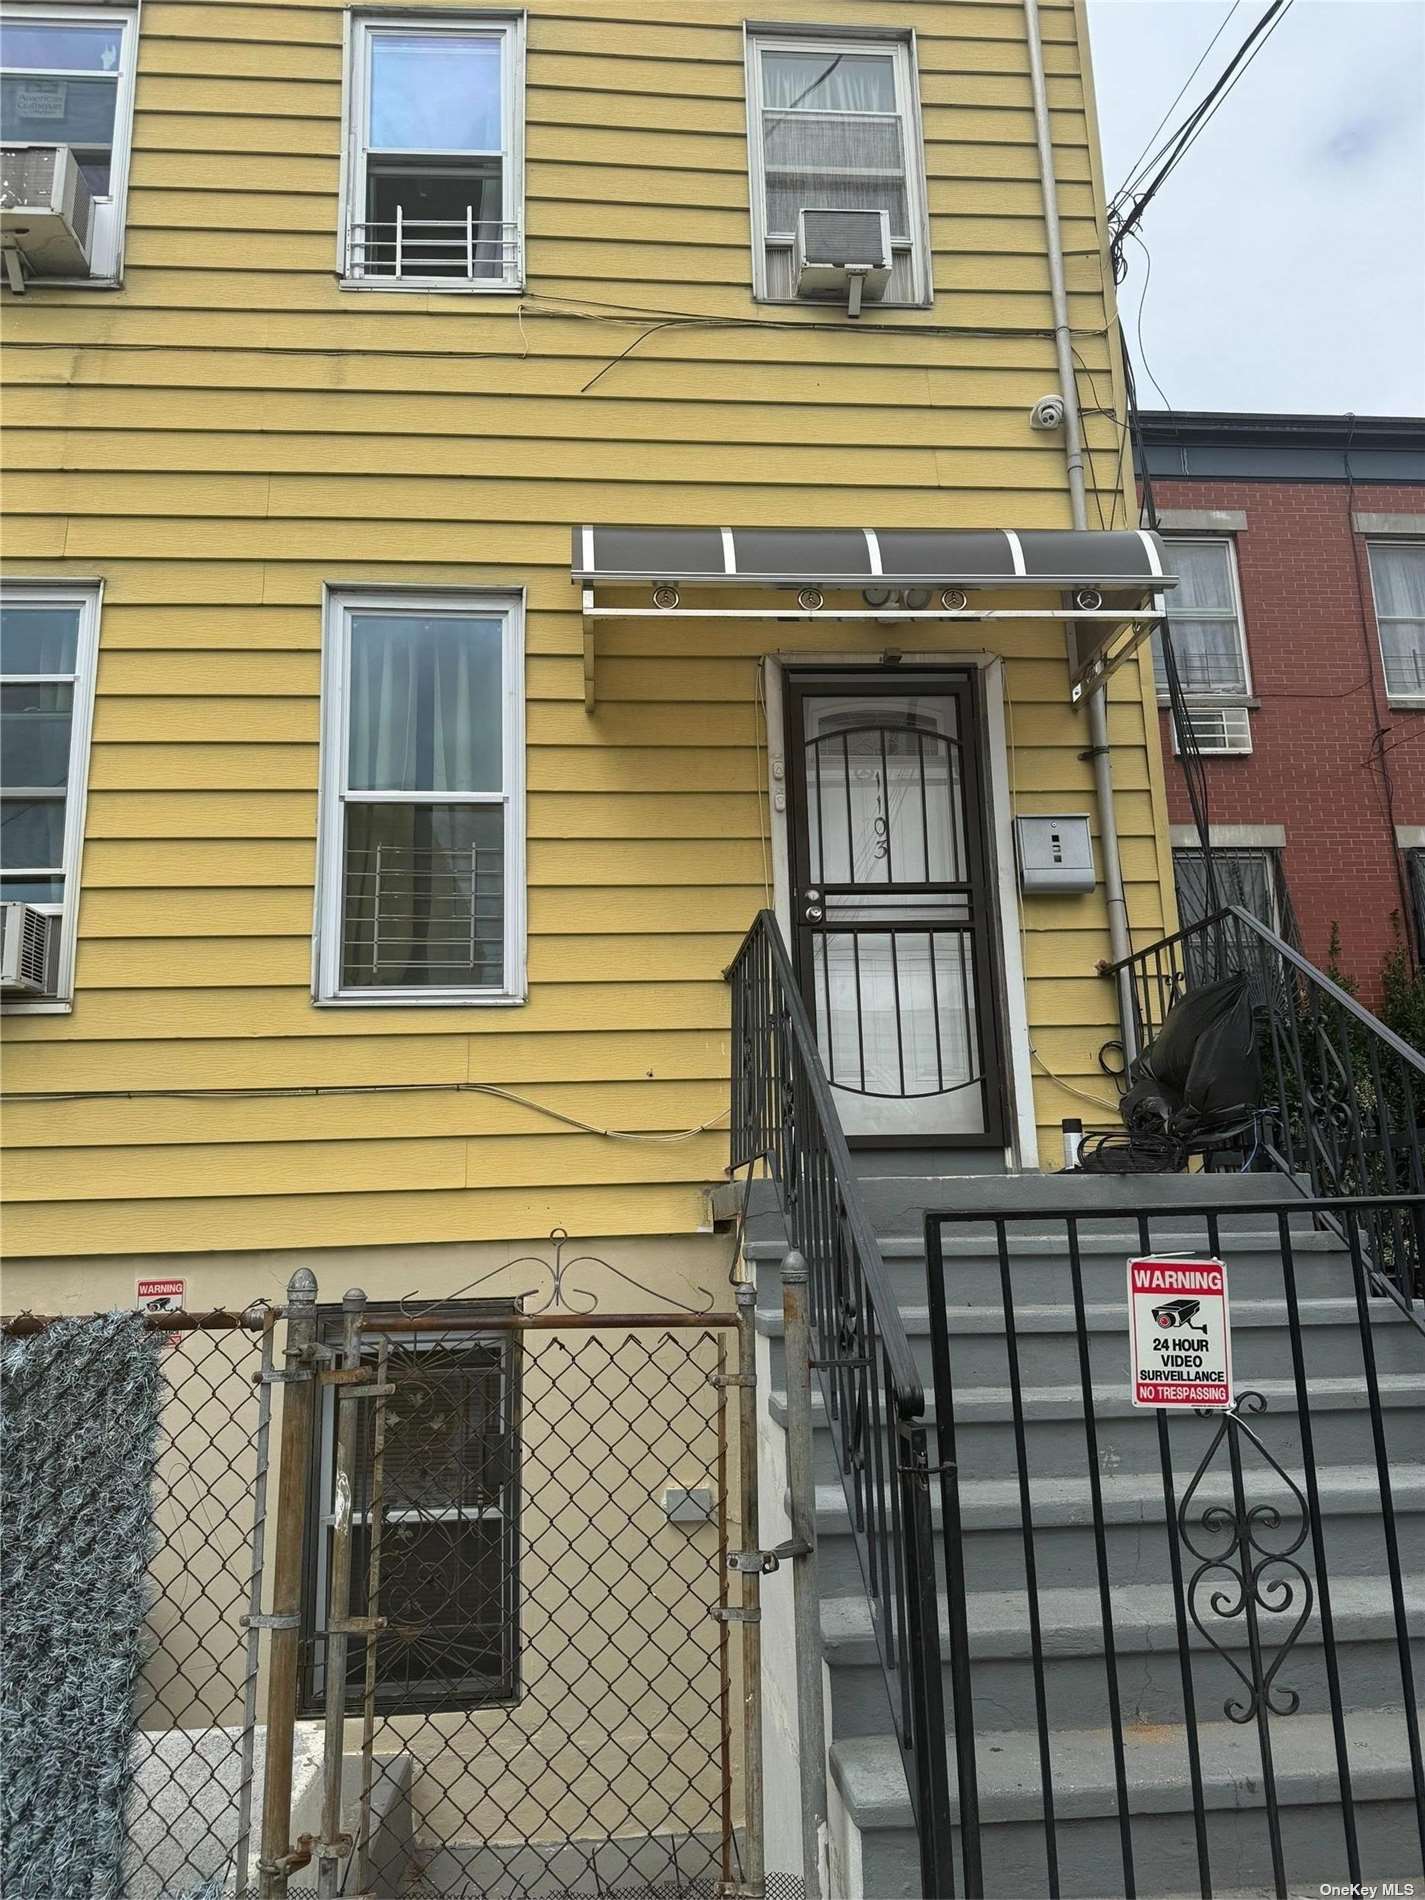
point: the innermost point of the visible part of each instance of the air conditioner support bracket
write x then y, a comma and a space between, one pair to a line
14, 270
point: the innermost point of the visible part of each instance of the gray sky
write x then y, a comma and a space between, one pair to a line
1288, 247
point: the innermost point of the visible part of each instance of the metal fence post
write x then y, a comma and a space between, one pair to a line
806, 1611
753, 1883
299, 1405
332, 1846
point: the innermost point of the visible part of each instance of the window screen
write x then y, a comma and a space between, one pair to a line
449, 1545
835, 130
1398, 581
1203, 622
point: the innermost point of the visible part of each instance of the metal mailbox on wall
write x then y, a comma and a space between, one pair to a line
1055, 854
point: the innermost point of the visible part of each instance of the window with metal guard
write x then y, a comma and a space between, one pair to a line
434, 160
421, 892
1206, 623
450, 1458
1398, 584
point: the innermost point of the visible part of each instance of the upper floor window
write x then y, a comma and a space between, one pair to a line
1205, 622
66, 94
1398, 582
421, 886
835, 125
48, 639
434, 161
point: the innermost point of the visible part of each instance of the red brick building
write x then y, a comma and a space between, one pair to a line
1299, 631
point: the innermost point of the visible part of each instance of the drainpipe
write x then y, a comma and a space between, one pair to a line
1120, 944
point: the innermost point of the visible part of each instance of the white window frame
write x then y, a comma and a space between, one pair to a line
1270, 856
1410, 701
356, 94
1225, 695
88, 597
339, 605
818, 40
111, 210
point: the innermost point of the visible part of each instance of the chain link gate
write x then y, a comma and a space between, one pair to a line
504, 1562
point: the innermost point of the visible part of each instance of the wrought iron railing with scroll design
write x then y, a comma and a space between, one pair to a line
783, 1115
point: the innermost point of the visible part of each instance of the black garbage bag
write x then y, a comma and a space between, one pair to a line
1203, 1074
1200, 1083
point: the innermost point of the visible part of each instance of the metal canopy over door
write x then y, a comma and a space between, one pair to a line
891, 903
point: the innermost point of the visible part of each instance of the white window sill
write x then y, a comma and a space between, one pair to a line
415, 999
1406, 702
446, 286
55, 1006
1210, 700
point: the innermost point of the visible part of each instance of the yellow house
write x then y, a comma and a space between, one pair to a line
496, 499
391, 891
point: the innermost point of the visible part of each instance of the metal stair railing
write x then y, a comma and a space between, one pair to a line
1343, 1095
783, 1115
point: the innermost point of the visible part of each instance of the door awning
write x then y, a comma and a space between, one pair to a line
1131, 558
1110, 581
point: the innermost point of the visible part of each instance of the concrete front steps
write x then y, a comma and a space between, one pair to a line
880, 1854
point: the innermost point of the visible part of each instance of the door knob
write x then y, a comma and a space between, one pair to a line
813, 913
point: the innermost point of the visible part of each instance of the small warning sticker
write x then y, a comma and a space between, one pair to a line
161, 1296
1179, 1334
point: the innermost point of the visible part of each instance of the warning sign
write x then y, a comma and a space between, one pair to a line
160, 1296
1178, 1333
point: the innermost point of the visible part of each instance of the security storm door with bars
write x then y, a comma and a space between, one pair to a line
421, 895
891, 905
434, 165
49, 637
67, 78
835, 125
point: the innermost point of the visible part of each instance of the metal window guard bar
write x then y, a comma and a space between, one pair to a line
400, 247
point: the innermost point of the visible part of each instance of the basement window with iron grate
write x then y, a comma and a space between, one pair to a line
421, 885
447, 1578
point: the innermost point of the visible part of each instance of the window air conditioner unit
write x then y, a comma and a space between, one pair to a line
843, 254
46, 213
1218, 729
24, 950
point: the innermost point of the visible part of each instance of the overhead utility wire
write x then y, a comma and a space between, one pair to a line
1178, 143
1131, 177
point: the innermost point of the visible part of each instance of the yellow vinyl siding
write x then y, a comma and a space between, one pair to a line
230, 430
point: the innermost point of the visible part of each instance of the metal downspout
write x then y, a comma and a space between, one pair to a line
1120, 943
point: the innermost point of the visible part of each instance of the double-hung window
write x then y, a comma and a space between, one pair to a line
66, 78
434, 157
421, 883
49, 637
834, 125
1205, 623
448, 1584
1398, 583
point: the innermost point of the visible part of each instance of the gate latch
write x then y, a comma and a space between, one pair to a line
761, 1563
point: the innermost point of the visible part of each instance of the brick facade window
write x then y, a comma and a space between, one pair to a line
1398, 582
1205, 622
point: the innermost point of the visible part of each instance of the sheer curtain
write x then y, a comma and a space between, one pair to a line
1398, 579
425, 705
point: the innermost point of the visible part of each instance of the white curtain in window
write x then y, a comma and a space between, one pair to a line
832, 138
426, 704
1398, 578
1202, 615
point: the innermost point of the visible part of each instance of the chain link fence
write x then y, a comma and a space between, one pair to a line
474, 1637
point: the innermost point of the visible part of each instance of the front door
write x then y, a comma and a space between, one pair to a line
890, 902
